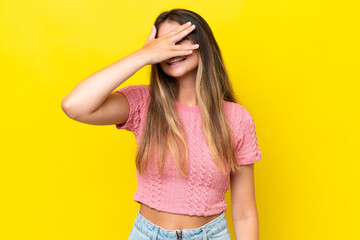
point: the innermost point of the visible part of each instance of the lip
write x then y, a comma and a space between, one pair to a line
176, 64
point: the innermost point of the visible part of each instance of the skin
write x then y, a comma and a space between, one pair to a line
92, 101
243, 204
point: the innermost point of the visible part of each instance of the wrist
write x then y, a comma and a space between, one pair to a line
141, 57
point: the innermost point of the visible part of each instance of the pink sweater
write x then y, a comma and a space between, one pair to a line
201, 194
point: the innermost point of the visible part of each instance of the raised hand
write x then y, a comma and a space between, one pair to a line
164, 47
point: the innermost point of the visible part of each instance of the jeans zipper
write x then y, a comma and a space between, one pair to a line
179, 234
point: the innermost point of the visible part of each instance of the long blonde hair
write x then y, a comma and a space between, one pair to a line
163, 130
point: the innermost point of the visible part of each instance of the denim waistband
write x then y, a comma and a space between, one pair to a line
148, 228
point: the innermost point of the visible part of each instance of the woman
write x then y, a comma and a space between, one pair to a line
192, 135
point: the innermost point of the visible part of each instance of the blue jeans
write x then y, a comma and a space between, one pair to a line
143, 229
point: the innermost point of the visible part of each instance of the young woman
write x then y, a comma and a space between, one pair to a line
192, 135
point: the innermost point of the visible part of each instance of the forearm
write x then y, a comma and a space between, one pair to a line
246, 228
90, 93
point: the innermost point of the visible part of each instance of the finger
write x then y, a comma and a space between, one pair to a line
177, 30
182, 53
185, 47
182, 34
152, 33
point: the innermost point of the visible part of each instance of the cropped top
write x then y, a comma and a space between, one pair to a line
202, 193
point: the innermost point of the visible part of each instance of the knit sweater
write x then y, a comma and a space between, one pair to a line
203, 192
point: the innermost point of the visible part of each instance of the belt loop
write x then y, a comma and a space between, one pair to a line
154, 237
204, 233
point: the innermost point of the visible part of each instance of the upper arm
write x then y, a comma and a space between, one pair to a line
123, 108
115, 109
242, 189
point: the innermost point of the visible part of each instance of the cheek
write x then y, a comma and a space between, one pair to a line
164, 65
194, 58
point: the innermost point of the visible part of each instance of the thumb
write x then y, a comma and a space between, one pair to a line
152, 33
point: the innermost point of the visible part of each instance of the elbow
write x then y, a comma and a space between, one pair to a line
68, 109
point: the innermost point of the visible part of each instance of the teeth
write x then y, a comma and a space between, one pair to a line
176, 60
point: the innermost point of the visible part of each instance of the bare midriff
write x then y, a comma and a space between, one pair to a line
171, 221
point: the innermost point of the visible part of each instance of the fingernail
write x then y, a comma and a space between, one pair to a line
188, 23
196, 45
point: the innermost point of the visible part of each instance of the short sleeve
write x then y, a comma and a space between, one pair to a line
246, 148
136, 96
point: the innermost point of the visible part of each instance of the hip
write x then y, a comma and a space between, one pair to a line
143, 229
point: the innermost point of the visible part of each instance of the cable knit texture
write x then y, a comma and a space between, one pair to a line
203, 192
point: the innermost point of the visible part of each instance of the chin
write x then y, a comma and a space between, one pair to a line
180, 71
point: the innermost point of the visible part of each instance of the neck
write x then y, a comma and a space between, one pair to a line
187, 93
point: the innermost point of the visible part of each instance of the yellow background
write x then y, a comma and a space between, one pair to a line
294, 65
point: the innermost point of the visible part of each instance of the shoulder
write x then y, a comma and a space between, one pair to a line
135, 92
141, 88
238, 114
236, 110
145, 89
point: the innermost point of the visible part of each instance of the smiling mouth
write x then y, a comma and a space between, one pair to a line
177, 61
